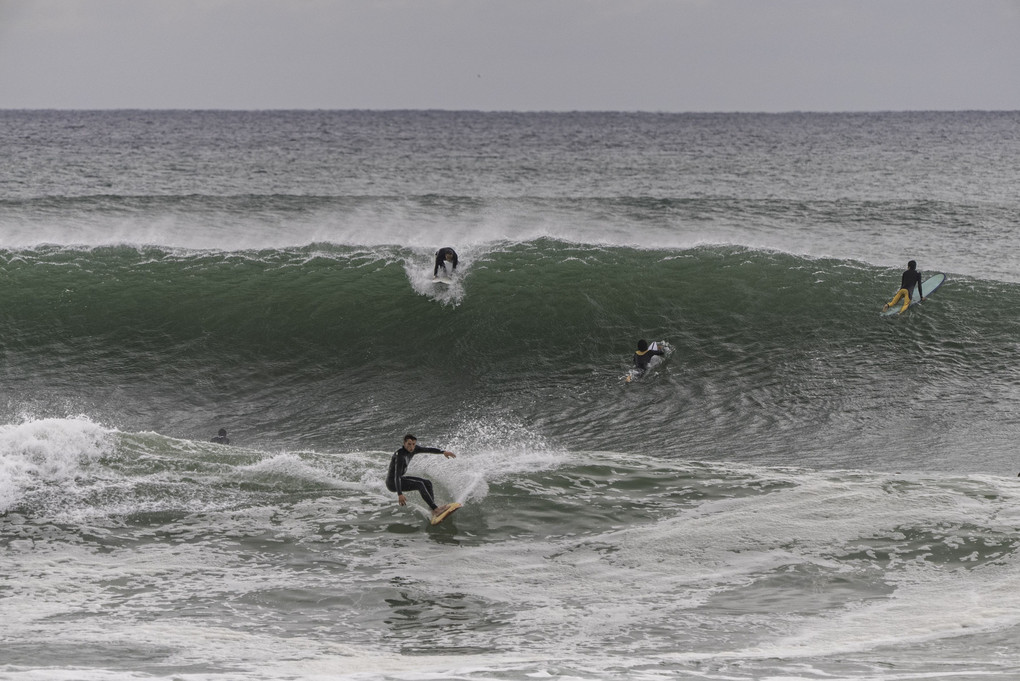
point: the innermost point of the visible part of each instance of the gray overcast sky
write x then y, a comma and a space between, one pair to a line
626, 55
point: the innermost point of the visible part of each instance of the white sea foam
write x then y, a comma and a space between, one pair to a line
47, 451
288, 467
419, 273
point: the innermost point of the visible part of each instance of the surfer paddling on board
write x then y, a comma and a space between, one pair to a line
911, 278
397, 482
644, 355
444, 255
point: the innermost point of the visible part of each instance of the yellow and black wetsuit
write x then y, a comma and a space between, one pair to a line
643, 357
908, 281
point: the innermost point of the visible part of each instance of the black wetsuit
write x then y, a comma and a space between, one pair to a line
441, 260
397, 482
911, 277
641, 359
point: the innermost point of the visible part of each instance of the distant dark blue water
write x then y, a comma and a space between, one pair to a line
803, 490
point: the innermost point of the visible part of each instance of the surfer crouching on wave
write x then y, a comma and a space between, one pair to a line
911, 277
397, 482
442, 256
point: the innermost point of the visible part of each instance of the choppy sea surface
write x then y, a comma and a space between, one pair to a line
803, 490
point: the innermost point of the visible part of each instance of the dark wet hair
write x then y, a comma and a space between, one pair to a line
223, 432
912, 264
642, 345
410, 437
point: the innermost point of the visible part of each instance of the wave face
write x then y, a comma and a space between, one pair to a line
801, 489
328, 343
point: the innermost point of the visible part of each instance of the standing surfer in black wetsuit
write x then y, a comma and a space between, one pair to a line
911, 277
442, 256
397, 482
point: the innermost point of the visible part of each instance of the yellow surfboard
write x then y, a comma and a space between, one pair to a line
436, 519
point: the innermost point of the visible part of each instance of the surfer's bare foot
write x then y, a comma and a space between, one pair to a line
885, 307
436, 511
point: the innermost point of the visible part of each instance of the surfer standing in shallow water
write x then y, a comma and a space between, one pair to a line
397, 482
911, 277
